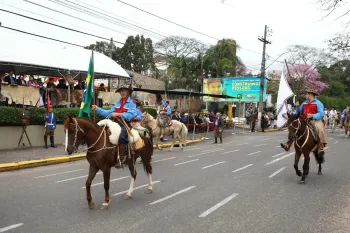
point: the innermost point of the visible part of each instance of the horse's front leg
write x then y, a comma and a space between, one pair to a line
92, 173
174, 141
296, 161
157, 143
305, 167
133, 174
106, 180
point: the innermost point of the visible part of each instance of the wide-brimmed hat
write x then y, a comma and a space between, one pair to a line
312, 91
125, 87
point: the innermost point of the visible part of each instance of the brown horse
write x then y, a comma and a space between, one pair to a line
347, 124
101, 155
304, 143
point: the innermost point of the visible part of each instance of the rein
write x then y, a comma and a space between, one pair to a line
306, 131
78, 128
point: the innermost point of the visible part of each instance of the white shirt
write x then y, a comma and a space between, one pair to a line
332, 113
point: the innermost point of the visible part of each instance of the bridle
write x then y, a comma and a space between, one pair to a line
78, 128
147, 119
307, 130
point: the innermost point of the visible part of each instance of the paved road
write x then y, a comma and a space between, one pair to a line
245, 185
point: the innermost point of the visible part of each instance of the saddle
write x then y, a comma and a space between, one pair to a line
115, 131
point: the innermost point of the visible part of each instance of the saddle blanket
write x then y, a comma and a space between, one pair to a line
116, 131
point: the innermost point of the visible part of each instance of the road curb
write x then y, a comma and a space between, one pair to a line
61, 159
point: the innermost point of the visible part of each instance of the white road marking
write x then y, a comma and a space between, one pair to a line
330, 138
190, 161
265, 139
211, 150
242, 144
173, 195
278, 171
260, 145
192, 149
204, 153
10, 227
277, 155
239, 169
281, 140
217, 206
120, 178
230, 151
280, 158
335, 142
58, 173
75, 178
278, 146
142, 186
162, 160
254, 153
213, 165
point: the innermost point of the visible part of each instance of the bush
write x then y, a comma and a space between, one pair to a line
335, 102
10, 117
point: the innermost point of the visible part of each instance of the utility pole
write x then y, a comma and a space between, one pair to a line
263, 63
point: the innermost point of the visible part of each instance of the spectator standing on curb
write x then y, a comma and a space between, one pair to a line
219, 127
50, 126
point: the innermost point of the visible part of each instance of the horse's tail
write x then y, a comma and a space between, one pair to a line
319, 158
184, 132
146, 154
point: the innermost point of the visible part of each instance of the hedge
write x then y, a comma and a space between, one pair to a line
10, 117
335, 102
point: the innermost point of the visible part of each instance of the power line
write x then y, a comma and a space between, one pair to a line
56, 25
45, 37
99, 15
169, 21
110, 13
87, 21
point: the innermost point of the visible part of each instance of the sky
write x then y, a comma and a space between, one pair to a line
292, 22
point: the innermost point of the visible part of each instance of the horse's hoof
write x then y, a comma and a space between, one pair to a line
319, 173
182, 148
127, 197
148, 191
302, 182
299, 173
104, 206
92, 205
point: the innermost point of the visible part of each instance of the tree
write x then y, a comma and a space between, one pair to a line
221, 60
178, 46
303, 77
102, 47
303, 54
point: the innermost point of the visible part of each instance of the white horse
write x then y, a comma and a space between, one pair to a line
332, 122
179, 129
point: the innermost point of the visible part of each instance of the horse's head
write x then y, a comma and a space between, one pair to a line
146, 118
74, 134
295, 127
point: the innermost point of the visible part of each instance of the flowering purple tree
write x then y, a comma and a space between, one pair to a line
303, 77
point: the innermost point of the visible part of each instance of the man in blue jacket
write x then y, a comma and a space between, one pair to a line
50, 126
165, 115
125, 109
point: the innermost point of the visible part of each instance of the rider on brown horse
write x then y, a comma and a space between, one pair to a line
311, 109
124, 110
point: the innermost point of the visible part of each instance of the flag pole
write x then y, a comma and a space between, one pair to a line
93, 81
289, 76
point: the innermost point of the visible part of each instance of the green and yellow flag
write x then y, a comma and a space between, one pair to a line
85, 110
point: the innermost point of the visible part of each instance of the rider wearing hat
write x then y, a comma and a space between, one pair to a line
125, 109
311, 109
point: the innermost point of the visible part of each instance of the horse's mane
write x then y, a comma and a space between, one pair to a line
86, 122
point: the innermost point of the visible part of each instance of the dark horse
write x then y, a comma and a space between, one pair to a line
304, 143
101, 157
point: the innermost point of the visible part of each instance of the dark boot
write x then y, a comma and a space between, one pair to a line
220, 140
287, 146
122, 150
216, 140
52, 142
45, 140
